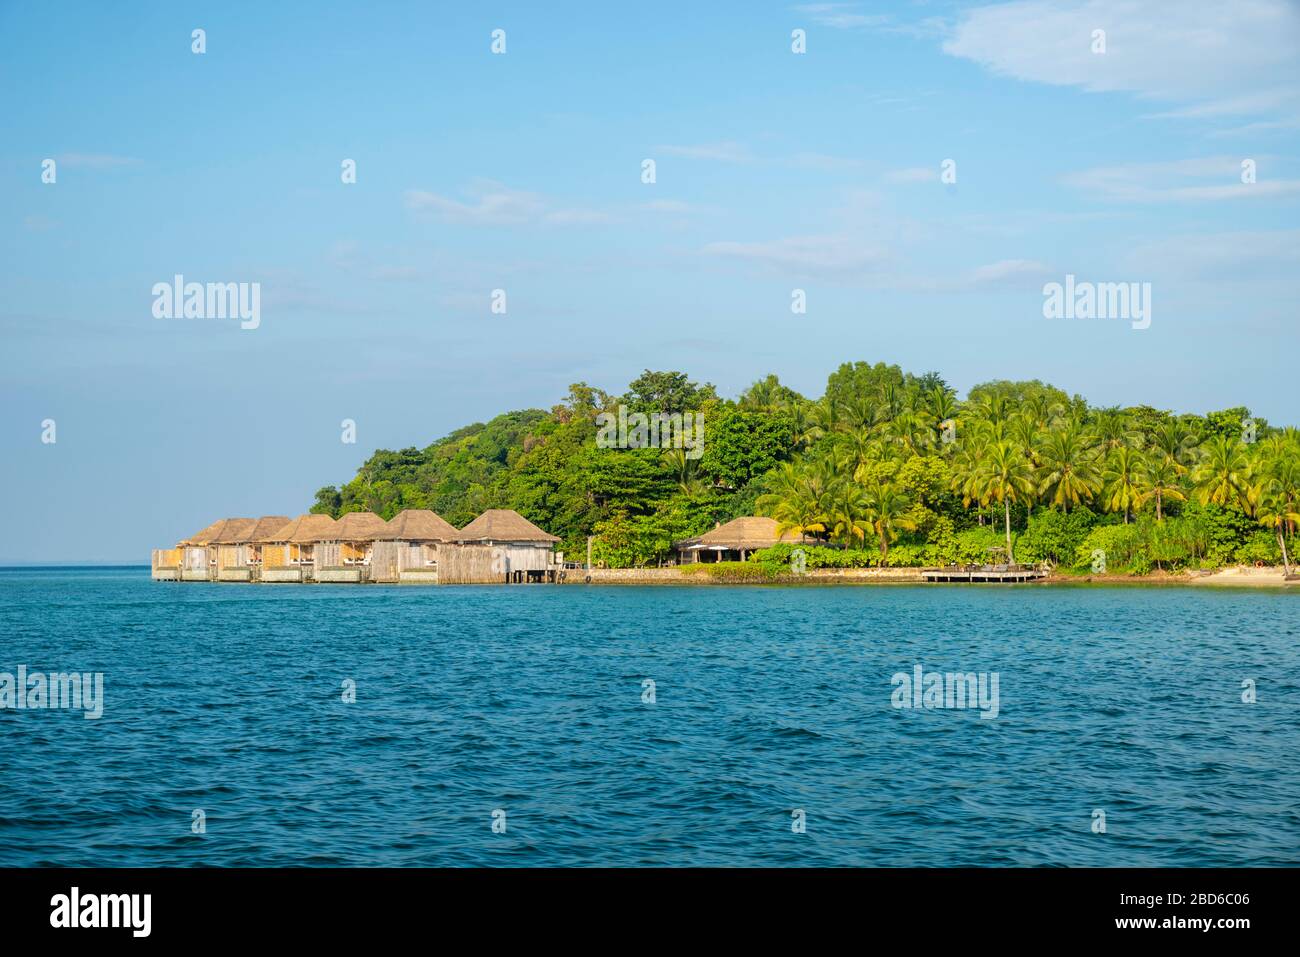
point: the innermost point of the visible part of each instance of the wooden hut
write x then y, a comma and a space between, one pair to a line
266, 525
409, 548
288, 555
346, 557
199, 551
238, 553
500, 546
734, 541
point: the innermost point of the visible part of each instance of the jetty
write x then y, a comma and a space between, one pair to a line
990, 574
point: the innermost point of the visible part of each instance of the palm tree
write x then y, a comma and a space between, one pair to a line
1221, 478
1113, 430
940, 402
885, 514
1006, 477
860, 413
1160, 481
1068, 475
966, 468
685, 471
1175, 443
848, 513
1276, 510
824, 417
1024, 433
1121, 478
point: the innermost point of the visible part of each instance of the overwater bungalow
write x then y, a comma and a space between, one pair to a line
238, 552
346, 557
266, 525
288, 555
408, 549
501, 545
198, 553
734, 541
228, 550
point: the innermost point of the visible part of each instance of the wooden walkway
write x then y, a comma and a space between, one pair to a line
983, 574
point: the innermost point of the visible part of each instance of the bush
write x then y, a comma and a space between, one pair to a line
1120, 543
739, 572
973, 545
1260, 547
818, 556
1055, 536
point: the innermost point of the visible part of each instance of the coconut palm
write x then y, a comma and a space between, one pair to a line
1276, 510
848, 514
886, 514
1121, 480
1161, 483
966, 467
685, 471
1024, 432
1068, 476
1222, 476
1175, 443
1112, 429
1006, 477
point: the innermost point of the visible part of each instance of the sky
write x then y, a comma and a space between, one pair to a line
1118, 157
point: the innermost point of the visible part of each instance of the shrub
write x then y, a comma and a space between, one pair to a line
1121, 543
1055, 536
1260, 547
733, 571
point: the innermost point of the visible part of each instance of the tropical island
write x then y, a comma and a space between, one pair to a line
885, 469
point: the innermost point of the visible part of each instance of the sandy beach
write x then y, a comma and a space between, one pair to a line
1243, 576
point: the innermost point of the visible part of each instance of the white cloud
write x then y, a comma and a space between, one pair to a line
1214, 58
720, 152
1008, 272
913, 174
831, 255
841, 16
1237, 256
492, 204
1190, 180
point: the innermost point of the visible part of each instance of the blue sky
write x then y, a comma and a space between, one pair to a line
522, 171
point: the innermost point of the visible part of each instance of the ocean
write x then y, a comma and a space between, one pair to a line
574, 725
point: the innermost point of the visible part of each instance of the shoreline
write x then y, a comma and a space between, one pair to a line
1235, 577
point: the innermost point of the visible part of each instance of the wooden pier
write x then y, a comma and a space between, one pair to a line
987, 574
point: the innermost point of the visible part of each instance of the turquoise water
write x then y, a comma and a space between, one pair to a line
528, 700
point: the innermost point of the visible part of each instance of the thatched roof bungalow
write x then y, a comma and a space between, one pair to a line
734, 541
292, 543
350, 548
500, 545
504, 526
420, 525
198, 553
408, 549
237, 545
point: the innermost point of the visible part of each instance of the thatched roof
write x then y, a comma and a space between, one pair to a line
211, 533
750, 532
306, 529
420, 525
502, 525
267, 525
360, 527
233, 531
